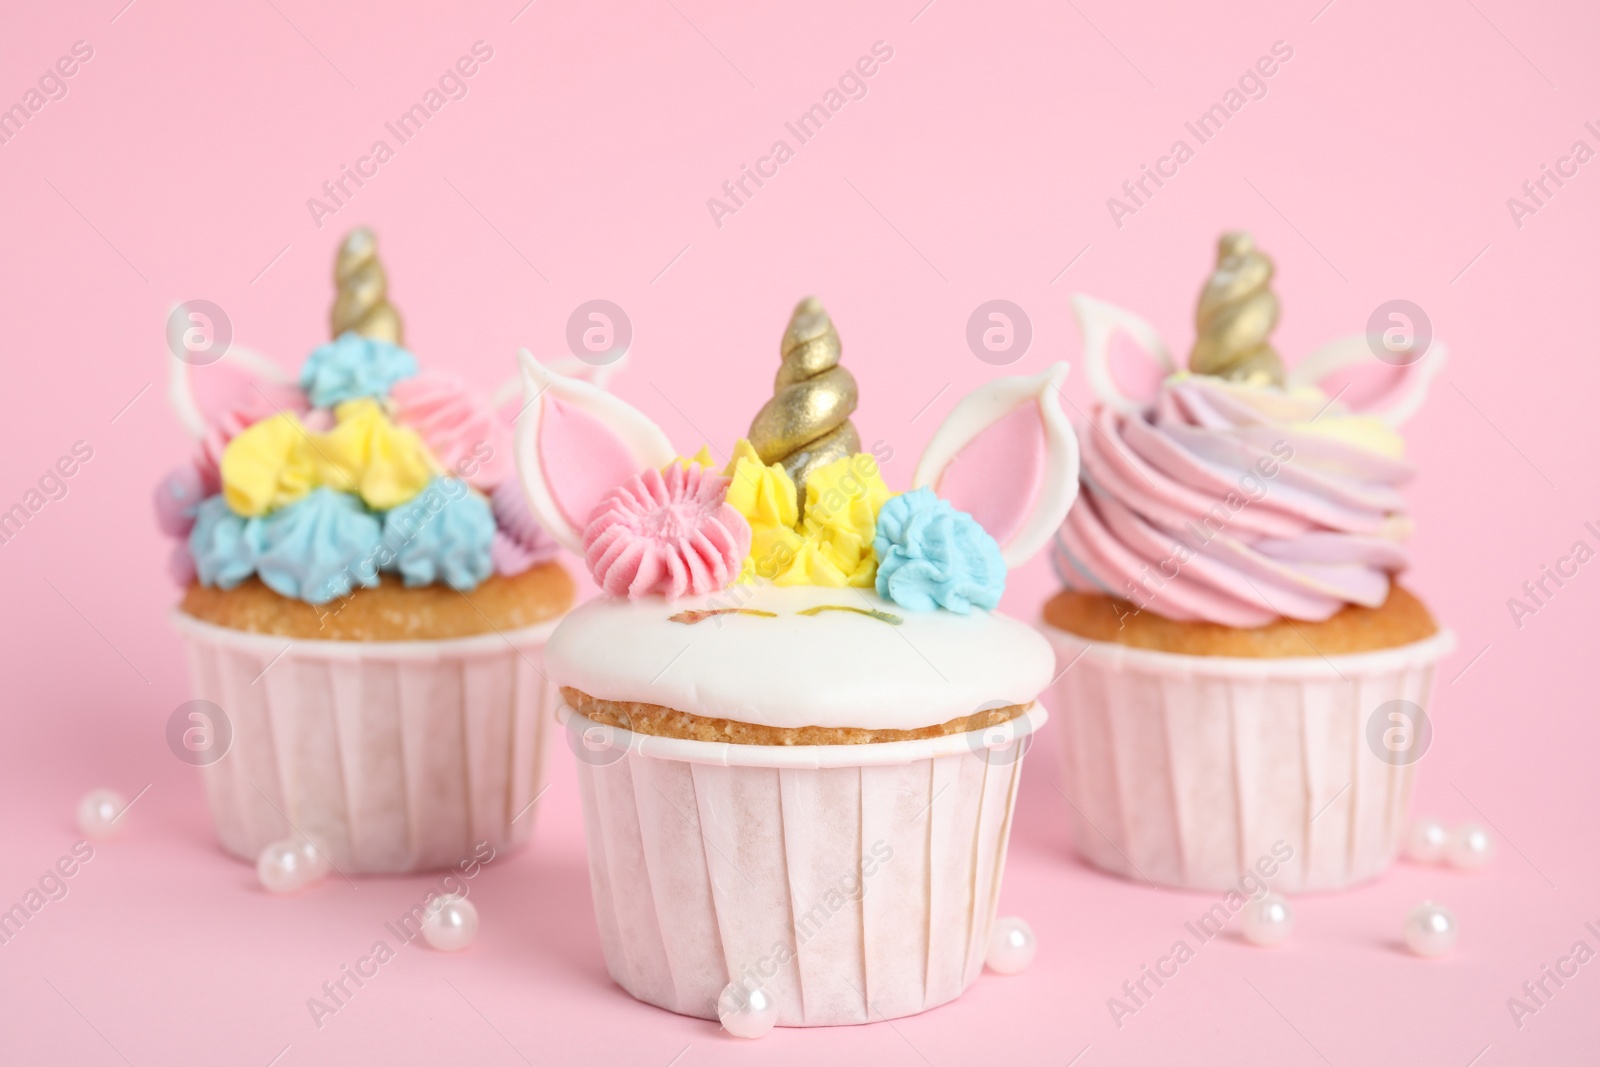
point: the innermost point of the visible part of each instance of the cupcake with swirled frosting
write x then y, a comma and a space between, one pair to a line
1242, 668
366, 597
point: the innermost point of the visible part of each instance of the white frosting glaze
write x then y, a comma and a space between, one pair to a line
836, 668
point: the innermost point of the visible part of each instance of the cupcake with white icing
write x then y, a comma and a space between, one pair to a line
798, 720
366, 598
1242, 673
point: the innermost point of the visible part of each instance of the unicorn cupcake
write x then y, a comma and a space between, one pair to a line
1242, 674
366, 597
798, 720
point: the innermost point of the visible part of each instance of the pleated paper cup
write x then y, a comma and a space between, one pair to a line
1188, 771
852, 883
392, 756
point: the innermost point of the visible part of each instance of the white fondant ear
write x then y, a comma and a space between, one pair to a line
576, 442
200, 394
1386, 391
597, 375
1100, 323
1007, 455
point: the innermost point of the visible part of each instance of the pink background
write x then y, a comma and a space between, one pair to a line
977, 167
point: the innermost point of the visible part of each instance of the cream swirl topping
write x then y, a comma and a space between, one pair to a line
1237, 503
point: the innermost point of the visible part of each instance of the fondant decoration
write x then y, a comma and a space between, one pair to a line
882, 616
237, 382
575, 443
671, 534
934, 667
1392, 394
1399, 391
806, 425
1022, 474
1236, 314
361, 286
932, 556
689, 618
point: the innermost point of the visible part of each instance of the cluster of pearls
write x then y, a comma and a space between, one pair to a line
1468, 847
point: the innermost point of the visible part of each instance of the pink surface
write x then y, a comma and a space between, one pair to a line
578, 166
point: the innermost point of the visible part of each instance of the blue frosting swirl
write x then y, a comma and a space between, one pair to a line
932, 556
354, 366
224, 544
444, 533
319, 547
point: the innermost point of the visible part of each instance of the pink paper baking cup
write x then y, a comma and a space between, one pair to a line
852, 882
392, 756
1185, 771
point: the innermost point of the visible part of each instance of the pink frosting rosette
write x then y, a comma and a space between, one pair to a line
672, 534
459, 426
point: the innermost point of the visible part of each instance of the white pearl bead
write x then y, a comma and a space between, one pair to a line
1267, 921
1430, 929
747, 1012
1427, 840
97, 814
1011, 946
451, 923
1470, 847
283, 866
317, 863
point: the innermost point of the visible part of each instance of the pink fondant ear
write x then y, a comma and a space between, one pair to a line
241, 385
575, 443
1008, 457
1124, 357
1349, 369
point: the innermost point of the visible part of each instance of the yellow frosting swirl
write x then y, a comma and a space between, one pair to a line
276, 461
265, 466
833, 545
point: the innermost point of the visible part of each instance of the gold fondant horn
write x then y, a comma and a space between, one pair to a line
1236, 313
806, 424
362, 288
